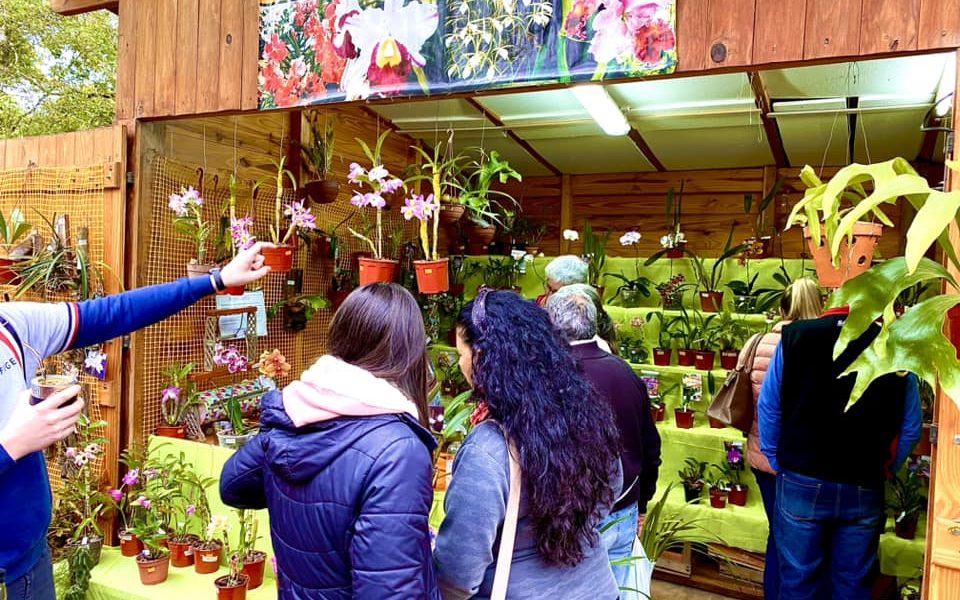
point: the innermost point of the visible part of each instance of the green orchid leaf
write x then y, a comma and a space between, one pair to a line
871, 294
915, 344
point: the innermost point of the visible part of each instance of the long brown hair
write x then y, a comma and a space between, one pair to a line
379, 328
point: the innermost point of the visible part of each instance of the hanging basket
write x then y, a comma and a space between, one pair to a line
433, 276
322, 191
450, 214
279, 259
479, 237
373, 270
854, 259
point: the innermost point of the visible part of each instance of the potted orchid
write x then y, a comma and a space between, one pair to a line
433, 274
189, 222
252, 561
124, 499
908, 499
595, 254
207, 552
632, 289
733, 470
176, 400
692, 476
380, 182
280, 258
240, 237
719, 486
191, 507
13, 246
570, 236
674, 242
154, 561
81, 492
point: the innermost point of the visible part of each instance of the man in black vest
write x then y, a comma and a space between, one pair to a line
831, 462
574, 314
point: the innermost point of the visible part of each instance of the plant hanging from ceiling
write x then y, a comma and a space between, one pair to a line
280, 259
189, 223
380, 182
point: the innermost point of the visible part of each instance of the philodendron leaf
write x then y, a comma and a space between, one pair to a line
915, 344
872, 293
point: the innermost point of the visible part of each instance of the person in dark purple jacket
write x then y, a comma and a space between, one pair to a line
343, 462
574, 314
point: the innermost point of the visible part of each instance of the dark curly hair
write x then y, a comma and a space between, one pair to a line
565, 432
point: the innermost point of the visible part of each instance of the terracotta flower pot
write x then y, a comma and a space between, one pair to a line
433, 276
254, 569
704, 359
206, 560
279, 259
738, 495
684, 418
479, 238
686, 358
7, 275
456, 289
718, 498
231, 591
236, 290
853, 260
715, 424
711, 301
130, 544
195, 270
172, 431
533, 250
692, 494
661, 357
181, 550
659, 413
728, 359
322, 191
450, 214
153, 570
373, 270
906, 528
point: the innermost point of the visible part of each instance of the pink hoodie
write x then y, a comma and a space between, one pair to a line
332, 388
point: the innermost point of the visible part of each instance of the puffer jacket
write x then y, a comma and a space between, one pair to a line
348, 491
761, 362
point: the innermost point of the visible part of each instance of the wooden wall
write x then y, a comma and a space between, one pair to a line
181, 57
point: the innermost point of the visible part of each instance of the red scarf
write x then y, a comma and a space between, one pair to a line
480, 414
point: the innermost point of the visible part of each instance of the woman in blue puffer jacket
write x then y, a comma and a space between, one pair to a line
343, 462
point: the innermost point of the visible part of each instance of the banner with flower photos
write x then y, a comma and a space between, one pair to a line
321, 51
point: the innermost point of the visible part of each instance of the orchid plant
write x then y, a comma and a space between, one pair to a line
241, 237
188, 208
638, 283
380, 182
424, 210
180, 396
134, 459
298, 214
230, 357
439, 171
81, 492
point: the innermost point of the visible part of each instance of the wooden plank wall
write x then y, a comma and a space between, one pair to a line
105, 146
181, 57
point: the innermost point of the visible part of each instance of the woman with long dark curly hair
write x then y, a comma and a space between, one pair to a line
529, 389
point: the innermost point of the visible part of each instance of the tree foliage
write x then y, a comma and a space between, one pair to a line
56, 73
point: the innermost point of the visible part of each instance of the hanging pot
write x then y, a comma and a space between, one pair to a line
253, 568
718, 498
322, 191
130, 544
676, 251
181, 550
906, 528
479, 237
433, 276
704, 359
661, 356
153, 570
227, 590
691, 494
728, 359
206, 560
93, 545
659, 413
374, 270
686, 358
738, 495
172, 431
711, 301
450, 214
853, 260
194, 270
684, 418
279, 259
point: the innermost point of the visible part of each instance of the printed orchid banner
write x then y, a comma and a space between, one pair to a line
318, 51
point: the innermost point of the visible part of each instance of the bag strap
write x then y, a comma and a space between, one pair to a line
509, 532
751, 354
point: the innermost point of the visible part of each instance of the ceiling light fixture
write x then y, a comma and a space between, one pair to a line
602, 108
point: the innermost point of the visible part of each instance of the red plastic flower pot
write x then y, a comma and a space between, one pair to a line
703, 359
433, 276
456, 289
661, 357
718, 498
738, 495
686, 358
711, 301
130, 544
7, 274
254, 569
236, 290
172, 431
279, 259
684, 418
373, 270
906, 528
153, 571
206, 560
659, 413
181, 551
337, 298
228, 591
715, 424
728, 359
676, 252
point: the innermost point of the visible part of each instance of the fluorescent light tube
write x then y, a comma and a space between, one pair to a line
602, 108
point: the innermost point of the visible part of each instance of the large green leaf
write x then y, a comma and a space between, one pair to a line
931, 222
872, 294
915, 344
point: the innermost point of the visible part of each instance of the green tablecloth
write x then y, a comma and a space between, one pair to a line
903, 558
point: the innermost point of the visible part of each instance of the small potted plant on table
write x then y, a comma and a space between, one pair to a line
208, 551
595, 255
684, 415
123, 499
734, 469
252, 560
665, 337
176, 399
671, 292
908, 500
705, 333
709, 280
692, 477
633, 290
658, 410
719, 486
192, 508
154, 561
729, 336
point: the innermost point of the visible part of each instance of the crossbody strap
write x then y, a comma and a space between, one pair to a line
509, 532
751, 354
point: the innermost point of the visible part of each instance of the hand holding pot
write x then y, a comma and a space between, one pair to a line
34, 427
247, 267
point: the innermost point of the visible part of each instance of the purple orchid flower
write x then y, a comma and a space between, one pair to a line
132, 478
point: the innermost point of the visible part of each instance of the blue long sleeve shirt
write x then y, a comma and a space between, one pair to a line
769, 415
30, 332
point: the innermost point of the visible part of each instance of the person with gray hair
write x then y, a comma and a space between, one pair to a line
573, 310
562, 271
604, 332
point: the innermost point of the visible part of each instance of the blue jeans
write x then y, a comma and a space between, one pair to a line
35, 585
771, 570
827, 532
618, 540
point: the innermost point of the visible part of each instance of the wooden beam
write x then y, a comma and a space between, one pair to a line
762, 99
637, 138
76, 7
513, 136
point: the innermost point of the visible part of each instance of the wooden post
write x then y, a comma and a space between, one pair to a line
566, 209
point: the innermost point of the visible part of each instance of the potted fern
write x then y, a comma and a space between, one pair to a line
12, 230
317, 158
